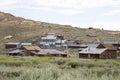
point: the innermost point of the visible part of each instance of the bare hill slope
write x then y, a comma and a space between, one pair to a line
19, 29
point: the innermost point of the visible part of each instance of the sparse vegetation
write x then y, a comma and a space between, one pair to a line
30, 31
51, 68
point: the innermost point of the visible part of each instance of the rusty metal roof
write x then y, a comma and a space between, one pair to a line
31, 48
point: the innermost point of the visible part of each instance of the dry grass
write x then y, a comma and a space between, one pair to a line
47, 68
27, 30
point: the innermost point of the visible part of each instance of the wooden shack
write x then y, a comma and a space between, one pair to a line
109, 47
12, 45
30, 50
111, 50
114, 43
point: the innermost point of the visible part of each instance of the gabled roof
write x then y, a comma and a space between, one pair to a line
92, 51
108, 46
31, 48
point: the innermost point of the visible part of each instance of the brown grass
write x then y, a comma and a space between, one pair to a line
27, 30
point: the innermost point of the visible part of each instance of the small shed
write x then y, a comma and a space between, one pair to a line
12, 45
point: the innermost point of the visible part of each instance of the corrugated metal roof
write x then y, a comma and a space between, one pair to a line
92, 51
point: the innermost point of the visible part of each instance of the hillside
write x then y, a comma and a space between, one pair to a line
20, 29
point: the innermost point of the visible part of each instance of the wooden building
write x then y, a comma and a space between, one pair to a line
37, 51
52, 41
12, 45
114, 43
92, 53
97, 53
51, 52
109, 47
31, 49
111, 50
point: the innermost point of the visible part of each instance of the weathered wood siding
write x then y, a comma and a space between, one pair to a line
109, 54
